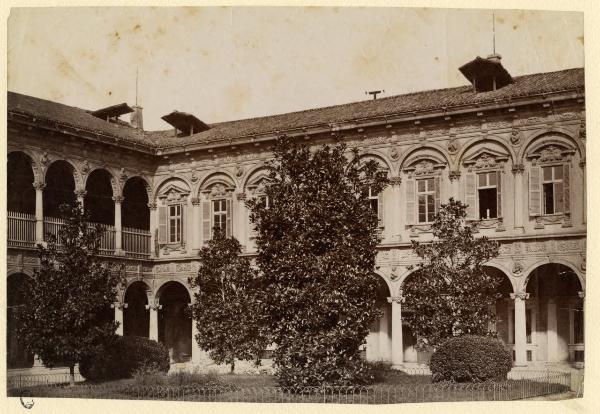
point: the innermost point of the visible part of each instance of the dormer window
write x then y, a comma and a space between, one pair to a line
185, 124
486, 74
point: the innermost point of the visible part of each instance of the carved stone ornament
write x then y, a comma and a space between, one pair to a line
395, 180
582, 130
38, 186
582, 265
85, 167
394, 273
45, 159
517, 268
551, 153
515, 137
519, 295
194, 177
394, 153
122, 175
239, 171
241, 196
218, 190
454, 175
152, 206
154, 305
518, 169
119, 305
424, 168
485, 161
397, 299
453, 146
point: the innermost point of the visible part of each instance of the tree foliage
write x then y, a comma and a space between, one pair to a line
450, 292
225, 309
67, 305
316, 241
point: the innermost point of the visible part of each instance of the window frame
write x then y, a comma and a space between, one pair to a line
488, 174
427, 193
178, 220
554, 183
221, 213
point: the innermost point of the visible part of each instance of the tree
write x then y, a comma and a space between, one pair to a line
316, 241
67, 301
225, 306
450, 293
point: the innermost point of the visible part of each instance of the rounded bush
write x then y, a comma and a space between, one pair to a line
470, 358
122, 356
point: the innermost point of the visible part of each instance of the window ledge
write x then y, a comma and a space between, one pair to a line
417, 229
557, 218
492, 223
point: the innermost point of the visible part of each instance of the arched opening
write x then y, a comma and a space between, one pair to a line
134, 210
136, 318
19, 188
554, 315
503, 311
175, 322
379, 345
17, 355
98, 200
60, 188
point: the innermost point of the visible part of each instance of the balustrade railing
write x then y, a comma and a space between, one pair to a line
21, 229
136, 242
52, 226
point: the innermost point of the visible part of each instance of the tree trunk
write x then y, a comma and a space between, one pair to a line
232, 366
72, 375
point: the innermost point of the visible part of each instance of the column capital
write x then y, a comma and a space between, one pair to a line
152, 206
119, 305
454, 175
519, 295
241, 196
154, 305
582, 163
518, 169
396, 181
39, 186
395, 299
195, 201
118, 199
581, 294
80, 193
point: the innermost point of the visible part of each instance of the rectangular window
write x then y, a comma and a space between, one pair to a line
552, 187
174, 224
487, 192
373, 200
426, 200
219, 214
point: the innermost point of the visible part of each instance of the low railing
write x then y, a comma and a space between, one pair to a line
136, 242
537, 385
21, 229
52, 226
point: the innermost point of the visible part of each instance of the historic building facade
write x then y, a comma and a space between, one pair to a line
511, 148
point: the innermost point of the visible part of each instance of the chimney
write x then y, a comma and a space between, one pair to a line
136, 119
494, 57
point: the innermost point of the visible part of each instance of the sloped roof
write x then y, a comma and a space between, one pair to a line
527, 85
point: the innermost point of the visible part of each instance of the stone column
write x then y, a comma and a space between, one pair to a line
196, 351
118, 228
154, 306
397, 347
118, 307
39, 211
454, 184
394, 218
551, 331
520, 328
80, 194
152, 207
519, 193
384, 337
196, 225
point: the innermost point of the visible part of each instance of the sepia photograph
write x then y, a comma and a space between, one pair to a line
332, 205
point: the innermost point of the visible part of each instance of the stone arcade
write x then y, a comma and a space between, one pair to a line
512, 148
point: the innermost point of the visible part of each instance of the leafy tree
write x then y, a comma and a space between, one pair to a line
316, 241
67, 301
450, 293
225, 307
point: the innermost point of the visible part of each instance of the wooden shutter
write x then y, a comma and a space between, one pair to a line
228, 218
566, 188
471, 195
535, 191
162, 225
380, 208
499, 187
410, 201
437, 189
206, 230
183, 221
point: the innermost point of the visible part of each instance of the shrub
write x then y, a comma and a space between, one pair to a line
122, 356
470, 358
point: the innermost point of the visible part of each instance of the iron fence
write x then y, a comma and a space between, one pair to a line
56, 385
